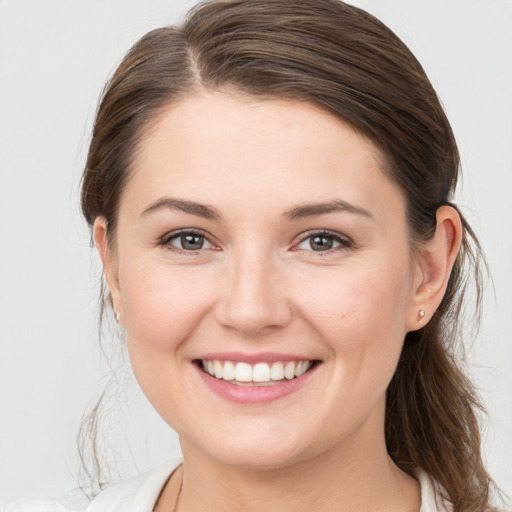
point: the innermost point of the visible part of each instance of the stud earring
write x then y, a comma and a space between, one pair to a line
118, 316
421, 314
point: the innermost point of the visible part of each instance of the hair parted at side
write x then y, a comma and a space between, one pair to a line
346, 62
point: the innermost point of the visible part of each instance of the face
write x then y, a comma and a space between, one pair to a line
260, 241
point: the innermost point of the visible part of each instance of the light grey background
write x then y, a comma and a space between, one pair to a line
54, 59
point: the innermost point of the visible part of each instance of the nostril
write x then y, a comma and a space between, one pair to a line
255, 320
252, 302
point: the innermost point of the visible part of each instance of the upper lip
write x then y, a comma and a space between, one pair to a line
261, 357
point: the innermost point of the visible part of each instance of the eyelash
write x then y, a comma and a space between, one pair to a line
166, 240
343, 241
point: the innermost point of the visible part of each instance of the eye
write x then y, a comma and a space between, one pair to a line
186, 241
323, 241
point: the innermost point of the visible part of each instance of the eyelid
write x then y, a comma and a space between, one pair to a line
165, 240
345, 241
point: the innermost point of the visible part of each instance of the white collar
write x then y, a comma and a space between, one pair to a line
139, 494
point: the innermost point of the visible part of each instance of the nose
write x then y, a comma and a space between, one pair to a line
255, 299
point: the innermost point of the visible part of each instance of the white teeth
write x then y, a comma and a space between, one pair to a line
229, 371
243, 372
277, 371
219, 371
262, 373
302, 368
289, 370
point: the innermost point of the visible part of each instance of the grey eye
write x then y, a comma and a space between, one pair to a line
187, 241
321, 242
191, 241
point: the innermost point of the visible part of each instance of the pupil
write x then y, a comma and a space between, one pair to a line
321, 243
192, 242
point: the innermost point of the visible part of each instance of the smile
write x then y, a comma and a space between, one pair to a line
261, 373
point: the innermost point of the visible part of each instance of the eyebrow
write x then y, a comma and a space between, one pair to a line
297, 213
337, 205
201, 210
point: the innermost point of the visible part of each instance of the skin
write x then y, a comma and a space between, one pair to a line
257, 285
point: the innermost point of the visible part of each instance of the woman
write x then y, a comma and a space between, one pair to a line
269, 188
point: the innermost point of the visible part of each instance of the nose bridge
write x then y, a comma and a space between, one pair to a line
254, 298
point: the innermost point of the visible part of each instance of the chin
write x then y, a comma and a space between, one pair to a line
258, 461
255, 453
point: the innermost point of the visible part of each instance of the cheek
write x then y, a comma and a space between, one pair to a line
365, 297
163, 305
162, 308
361, 314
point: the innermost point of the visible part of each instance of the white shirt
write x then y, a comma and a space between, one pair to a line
139, 494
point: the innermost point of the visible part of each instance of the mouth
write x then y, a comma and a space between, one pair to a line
258, 374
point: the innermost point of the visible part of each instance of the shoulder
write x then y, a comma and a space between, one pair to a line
35, 506
431, 500
432, 496
138, 494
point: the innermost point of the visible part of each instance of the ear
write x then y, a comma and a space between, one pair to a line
100, 233
433, 266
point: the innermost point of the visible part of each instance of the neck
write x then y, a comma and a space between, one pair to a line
355, 476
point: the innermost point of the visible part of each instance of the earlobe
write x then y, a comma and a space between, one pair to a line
433, 267
100, 233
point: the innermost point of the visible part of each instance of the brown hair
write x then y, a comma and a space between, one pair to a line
345, 61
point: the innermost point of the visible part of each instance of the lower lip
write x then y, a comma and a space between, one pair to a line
254, 394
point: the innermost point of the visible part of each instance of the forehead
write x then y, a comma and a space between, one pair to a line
233, 148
